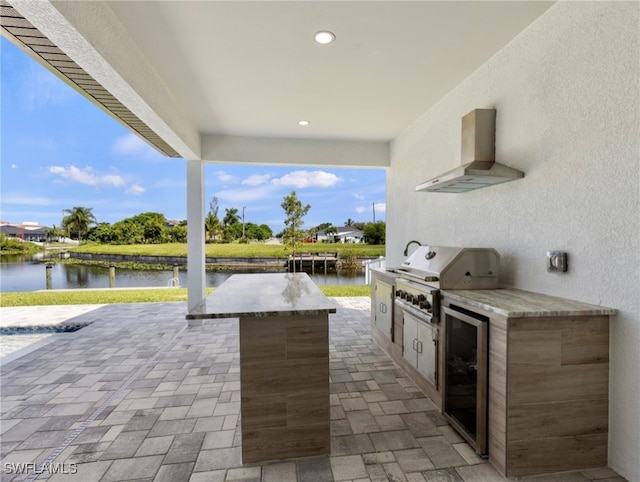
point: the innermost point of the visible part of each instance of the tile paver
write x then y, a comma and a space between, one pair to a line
139, 395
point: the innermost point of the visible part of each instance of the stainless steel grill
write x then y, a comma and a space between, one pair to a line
421, 277
450, 268
432, 268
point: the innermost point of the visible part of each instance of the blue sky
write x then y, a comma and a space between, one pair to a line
59, 151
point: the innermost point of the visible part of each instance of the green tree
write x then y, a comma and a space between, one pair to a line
266, 231
331, 230
259, 233
212, 224
78, 220
293, 235
102, 233
322, 226
231, 217
350, 223
52, 233
374, 233
144, 228
232, 231
178, 234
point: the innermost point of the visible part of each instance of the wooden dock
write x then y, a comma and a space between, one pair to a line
310, 262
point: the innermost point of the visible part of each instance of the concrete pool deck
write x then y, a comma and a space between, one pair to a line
139, 395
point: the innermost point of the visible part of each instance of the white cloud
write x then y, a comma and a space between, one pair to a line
136, 190
379, 207
225, 177
302, 179
245, 195
132, 145
86, 176
359, 197
256, 179
26, 200
14, 166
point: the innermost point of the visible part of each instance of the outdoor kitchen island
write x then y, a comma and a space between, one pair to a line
541, 403
284, 361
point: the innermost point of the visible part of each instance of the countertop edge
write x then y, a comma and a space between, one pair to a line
587, 310
253, 314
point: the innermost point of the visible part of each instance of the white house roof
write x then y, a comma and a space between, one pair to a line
229, 80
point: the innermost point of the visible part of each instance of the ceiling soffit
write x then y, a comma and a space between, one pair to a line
22, 33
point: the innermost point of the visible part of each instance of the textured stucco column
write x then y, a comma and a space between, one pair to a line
195, 234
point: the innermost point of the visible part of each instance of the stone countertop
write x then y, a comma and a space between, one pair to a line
385, 273
264, 295
515, 303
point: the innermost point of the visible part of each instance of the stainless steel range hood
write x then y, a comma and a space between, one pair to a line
478, 168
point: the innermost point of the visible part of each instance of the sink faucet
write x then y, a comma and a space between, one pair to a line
406, 248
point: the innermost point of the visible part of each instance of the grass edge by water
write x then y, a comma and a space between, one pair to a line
133, 295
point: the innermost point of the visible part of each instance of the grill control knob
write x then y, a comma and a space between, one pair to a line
422, 298
409, 297
398, 293
425, 305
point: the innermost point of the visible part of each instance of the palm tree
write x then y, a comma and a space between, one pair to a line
350, 223
78, 220
212, 224
52, 233
231, 217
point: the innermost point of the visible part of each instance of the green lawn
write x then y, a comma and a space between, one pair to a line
251, 250
108, 296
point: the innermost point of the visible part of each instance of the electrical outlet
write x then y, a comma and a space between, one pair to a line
557, 262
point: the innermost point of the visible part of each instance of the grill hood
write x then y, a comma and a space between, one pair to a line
453, 268
478, 168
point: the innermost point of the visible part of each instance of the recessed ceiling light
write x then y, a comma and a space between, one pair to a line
325, 37
303, 122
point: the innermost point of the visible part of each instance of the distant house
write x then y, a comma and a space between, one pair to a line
345, 234
31, 232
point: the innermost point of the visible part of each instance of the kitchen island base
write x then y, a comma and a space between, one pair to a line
284, 362
284, 386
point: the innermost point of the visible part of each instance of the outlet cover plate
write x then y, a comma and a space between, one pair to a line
557, 262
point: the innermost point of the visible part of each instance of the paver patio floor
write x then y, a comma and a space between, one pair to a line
140, 396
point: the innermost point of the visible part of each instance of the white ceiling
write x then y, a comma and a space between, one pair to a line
253, 69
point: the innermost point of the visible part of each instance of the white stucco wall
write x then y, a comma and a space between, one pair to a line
567, 97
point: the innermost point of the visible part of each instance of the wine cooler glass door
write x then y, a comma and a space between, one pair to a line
465, 375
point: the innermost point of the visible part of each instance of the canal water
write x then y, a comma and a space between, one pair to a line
18, 273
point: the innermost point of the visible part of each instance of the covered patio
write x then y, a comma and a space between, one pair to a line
140, 395
229, 82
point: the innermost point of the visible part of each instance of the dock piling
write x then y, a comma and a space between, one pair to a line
48, 271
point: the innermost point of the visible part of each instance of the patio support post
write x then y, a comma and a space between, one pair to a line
195, 235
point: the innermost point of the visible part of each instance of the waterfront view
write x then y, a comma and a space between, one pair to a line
20, 273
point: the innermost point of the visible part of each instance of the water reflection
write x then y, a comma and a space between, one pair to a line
19, 273
295, 288
77, 275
